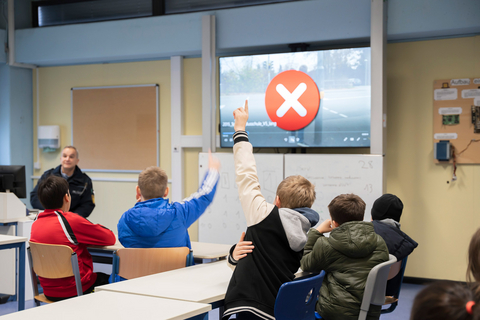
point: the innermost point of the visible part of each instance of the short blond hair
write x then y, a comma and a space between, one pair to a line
152, 183
296, 192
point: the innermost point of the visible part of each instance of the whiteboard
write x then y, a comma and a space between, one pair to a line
224, 221
334, 174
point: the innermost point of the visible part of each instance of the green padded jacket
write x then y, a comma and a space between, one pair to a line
347, 256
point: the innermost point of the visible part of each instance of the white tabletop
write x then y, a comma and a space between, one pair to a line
201, 250
113, 305
11, 239
205, 283
204, 250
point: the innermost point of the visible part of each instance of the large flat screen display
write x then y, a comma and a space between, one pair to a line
299, 99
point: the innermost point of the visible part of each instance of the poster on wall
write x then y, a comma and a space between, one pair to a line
456, 117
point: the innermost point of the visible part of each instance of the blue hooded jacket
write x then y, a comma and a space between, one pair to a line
156, 223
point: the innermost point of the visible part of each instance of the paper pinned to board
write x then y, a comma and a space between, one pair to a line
470, 93
445, 136
460, 82
445, 94
452, 110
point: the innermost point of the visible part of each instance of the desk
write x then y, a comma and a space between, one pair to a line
203, 283
12, 242
204, 250
201, 250
113, 305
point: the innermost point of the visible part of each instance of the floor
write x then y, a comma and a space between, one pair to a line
401, 312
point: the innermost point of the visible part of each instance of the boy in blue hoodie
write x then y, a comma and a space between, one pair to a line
154, 222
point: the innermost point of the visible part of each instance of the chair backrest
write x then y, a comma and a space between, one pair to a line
53, 261
394, 269
296, 299
375, 286
138, 262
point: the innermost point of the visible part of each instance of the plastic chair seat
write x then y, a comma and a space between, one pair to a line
296, 299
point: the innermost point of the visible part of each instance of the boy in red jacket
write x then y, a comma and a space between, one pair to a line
58, 226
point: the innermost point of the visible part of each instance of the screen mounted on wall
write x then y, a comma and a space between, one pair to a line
299, 99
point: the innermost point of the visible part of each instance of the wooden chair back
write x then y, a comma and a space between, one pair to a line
51, 261
139, 262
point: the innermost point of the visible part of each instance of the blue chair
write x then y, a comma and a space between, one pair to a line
296, 299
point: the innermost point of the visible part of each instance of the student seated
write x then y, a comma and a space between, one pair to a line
154, 222
278, 232
446, 300
386, 213
56, 225
347, 256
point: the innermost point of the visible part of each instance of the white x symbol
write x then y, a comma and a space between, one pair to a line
291, 100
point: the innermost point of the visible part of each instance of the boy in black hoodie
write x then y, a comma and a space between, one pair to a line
386, 213
278, 232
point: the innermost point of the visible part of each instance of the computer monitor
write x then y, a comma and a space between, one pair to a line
12, 178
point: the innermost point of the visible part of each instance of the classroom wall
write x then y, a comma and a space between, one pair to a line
113, 198
16, 119
439, 215
3, 55
4, 115
244, 29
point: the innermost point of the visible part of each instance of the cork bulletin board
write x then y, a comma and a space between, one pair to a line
456, 118
116, 128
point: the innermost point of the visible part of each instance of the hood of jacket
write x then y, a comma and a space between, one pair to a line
354, 239
149, 218
312, 215
296, 223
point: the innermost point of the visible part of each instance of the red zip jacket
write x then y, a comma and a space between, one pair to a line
70, 229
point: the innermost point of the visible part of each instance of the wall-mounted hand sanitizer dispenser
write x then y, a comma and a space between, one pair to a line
49, 138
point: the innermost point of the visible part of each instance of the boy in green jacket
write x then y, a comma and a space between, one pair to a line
347, 256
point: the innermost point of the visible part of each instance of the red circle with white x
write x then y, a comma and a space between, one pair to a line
292, 100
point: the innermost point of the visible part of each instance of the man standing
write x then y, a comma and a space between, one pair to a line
80, 185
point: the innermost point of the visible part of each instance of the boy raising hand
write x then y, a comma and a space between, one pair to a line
277, 231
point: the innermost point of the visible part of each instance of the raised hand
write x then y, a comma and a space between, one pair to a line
213, 162
241, 116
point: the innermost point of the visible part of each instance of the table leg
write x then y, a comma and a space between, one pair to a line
21, 276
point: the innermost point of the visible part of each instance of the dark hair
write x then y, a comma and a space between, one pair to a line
51, 192
347, 207
473, 270
445, 300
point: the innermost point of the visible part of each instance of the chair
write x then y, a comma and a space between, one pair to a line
52, 261
130, 263
296, 299
375, 286
397, 269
